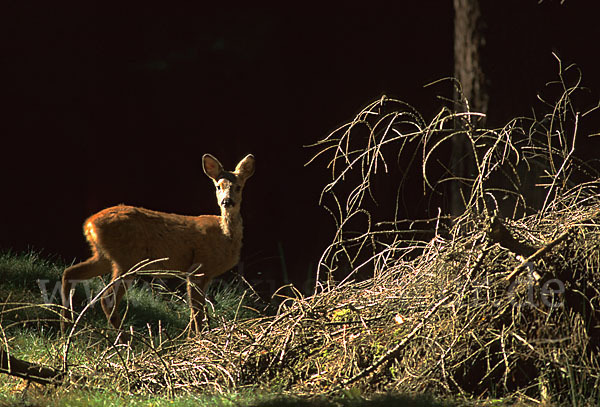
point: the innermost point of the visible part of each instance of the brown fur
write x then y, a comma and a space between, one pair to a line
198, 248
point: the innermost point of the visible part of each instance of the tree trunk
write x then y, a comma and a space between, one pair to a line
469, 94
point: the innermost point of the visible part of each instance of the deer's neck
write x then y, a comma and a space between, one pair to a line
231, 224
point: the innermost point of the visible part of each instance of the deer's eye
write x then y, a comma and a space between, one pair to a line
238, 188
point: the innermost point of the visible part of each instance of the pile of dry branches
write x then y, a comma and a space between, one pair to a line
467, 316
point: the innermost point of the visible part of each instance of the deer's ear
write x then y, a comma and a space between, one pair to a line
212, 167
245, 168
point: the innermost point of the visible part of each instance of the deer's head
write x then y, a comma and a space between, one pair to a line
229, 185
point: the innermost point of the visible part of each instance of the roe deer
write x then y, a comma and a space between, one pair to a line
196, 247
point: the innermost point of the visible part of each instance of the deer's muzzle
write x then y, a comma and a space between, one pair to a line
227, 202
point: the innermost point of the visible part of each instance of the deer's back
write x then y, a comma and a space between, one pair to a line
127, 235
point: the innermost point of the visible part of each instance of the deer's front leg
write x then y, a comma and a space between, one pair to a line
196, 286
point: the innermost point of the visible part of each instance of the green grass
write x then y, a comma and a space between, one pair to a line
29, 325
108, 399
22, 275
30, 286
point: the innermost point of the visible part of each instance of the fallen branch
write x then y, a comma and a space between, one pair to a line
29, 371
539, 253
498, 233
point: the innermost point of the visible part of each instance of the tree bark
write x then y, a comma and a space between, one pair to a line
470, 94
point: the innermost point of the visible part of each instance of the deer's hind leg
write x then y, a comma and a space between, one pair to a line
112, 297
96, 265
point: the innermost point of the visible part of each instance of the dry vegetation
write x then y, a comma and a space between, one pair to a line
501, 301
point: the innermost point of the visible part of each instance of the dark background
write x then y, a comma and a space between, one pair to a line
116, 104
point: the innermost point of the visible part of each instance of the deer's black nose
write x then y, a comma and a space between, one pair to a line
227, 202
